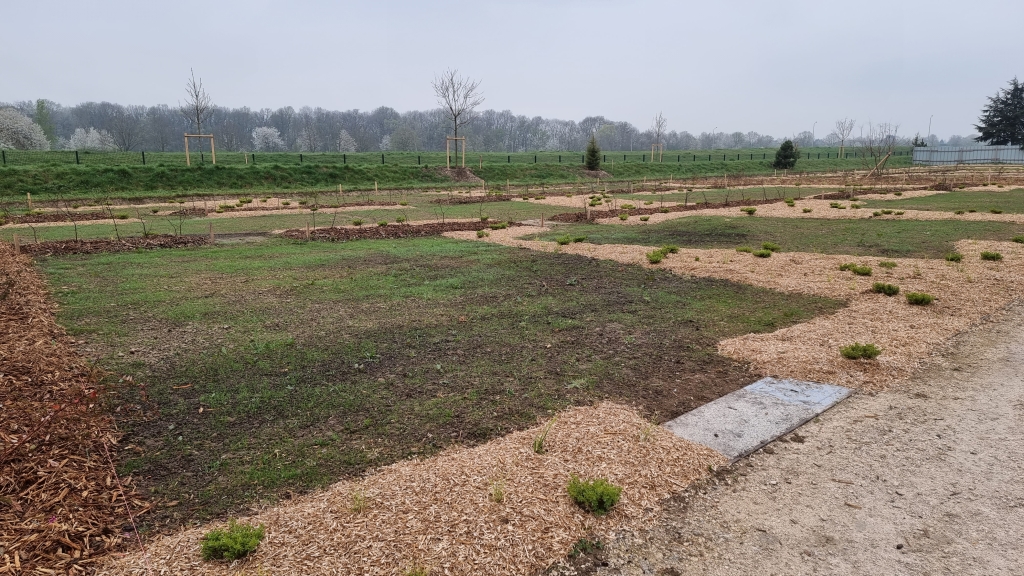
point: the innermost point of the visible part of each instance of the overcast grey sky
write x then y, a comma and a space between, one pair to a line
773, 67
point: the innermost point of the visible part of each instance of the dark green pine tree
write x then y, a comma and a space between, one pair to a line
785, 157
593, 158
1002, 120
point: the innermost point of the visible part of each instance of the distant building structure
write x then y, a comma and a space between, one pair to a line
980, 154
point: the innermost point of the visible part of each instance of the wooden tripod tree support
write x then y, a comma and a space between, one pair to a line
213, 150
660, 148
880, 163
448, 149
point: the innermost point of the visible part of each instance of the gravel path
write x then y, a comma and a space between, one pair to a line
921, 479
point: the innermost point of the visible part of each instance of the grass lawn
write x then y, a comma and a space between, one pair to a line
892, 238
259, 369
1009, 201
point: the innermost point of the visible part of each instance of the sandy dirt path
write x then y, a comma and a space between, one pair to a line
921, 479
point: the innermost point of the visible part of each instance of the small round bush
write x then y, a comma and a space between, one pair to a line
400, 219
954, 257
771, 246
991, 256
996, 211
749, 210
808, 210
596, 496
670, 249
887, 264
883, 288
357, 222
856, 351
231, 544
645, 218
623, 216
481, 233
919, 298
762, 253
746, 249
1018, 239
655, 256
563, 240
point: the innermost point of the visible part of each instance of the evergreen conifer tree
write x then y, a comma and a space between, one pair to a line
593, 158
1002, 120
785, 157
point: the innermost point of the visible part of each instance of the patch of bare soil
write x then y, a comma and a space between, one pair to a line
126, 244
498, 508
906, 334
657, 213
61, 510
56, 217
459, 174
924, 479
345, 233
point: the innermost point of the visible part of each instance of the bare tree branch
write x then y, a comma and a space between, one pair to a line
457, 97
843, 130
197, 108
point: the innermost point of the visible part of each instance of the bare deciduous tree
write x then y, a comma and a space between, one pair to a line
843, 130
127, 127
458, 97
879, 143
197, 108
658, 128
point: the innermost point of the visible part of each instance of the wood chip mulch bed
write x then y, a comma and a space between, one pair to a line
607, 214
455, 200
126, 244
61, 510
56, 217
440, 514
369, 232
966, 293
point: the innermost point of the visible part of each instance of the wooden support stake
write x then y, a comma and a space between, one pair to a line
213, 150
307, 230
374, 186
541, 219
29, 196
17, 245
211, 232
188, 161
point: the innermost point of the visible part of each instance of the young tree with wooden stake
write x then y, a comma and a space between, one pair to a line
843, 130
658, 128
197, 108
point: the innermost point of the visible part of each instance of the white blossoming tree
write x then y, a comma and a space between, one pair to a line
17, 131
267, 139
346, 143
91, 139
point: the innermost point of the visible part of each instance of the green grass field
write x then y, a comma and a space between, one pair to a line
887, 238
1010, 201
175, 180
282, 366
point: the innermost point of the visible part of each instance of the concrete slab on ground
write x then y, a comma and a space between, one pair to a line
743, 421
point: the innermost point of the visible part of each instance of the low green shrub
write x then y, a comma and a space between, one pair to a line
991, 256
919, 298
958, 212
403, 203
382, 223
663, 210
122, 216
579, 238
596, 496
400, 219
482, 234
563, 240
972, 211
883, 288
876, 213
746, 249
645, 218
484, 217
538, 442
886, 212
771, 246
231, 544
900, 213
855, 206
499, 226
996, 211
357, 222
887, 264
856, 269
628, 207
898, 193
762, 253
808, 210
655, 257
670, 249
623, 216
856, 351
1018, 239
749, 210
954, 257
585, 546
648, 202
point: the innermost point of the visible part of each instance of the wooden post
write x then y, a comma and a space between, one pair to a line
213, 150
448, 152
481, 161
29, 196
17, 245
374, 186
307, 230
211, 232
246, 156
541, 219
463, 152
188, 162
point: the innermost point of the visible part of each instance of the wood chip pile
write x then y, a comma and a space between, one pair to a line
965, 294
127, 244
60, 510
439, 513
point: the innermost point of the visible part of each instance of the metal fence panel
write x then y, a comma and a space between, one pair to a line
981, 154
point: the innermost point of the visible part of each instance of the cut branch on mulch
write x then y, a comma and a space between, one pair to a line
390, 231
60, 508
127, 244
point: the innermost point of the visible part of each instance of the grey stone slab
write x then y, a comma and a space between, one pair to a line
743, 421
